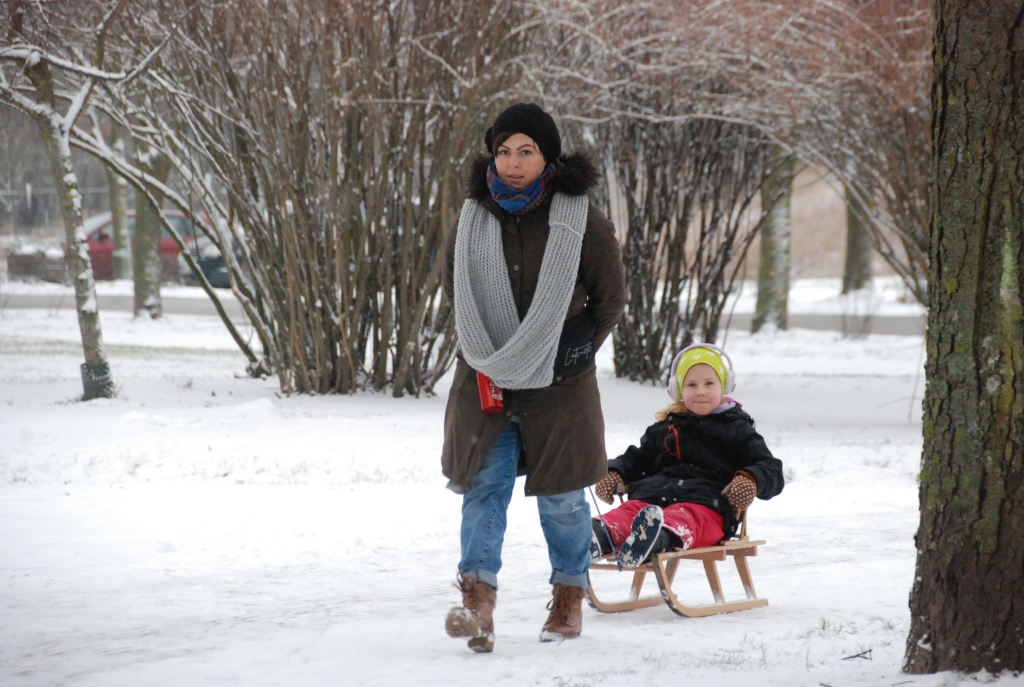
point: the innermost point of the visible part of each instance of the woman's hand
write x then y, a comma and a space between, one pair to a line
610, 487
740, 491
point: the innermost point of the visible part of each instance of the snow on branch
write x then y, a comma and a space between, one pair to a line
32, 55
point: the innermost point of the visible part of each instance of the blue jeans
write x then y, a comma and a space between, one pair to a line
565, 519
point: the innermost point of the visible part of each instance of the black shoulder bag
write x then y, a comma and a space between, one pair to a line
575, 346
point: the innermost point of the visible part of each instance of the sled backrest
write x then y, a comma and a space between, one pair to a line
742, 515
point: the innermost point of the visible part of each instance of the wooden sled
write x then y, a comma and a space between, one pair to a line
664, 565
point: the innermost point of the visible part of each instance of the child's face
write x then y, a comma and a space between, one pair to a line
702, 391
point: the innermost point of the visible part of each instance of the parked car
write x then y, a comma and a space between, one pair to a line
99, 232
210, 261
49, 261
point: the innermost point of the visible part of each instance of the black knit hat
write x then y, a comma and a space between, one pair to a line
529, 119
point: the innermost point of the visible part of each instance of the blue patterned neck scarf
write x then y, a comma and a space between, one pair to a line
519, 201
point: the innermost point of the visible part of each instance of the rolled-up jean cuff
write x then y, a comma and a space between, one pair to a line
582, 580
484, 576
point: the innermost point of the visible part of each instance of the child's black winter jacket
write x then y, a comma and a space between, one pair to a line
690, 458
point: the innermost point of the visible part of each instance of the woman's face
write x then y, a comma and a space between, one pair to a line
519, 161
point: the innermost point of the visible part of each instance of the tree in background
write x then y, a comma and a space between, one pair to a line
119, 211
23, 158
641, 85
52, 90
326, 140
844, 84
967, 602
772, 306
858, 72
857, 265
146, 260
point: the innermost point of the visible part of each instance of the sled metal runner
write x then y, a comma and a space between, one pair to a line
664, 565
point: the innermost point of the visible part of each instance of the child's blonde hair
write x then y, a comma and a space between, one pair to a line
676, 408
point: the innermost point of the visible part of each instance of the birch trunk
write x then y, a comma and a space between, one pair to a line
79, 265
53, 131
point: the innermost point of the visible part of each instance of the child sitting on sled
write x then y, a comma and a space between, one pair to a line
695, 470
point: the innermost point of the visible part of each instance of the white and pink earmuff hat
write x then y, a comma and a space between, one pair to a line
702, 353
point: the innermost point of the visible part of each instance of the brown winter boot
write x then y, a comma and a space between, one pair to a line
475, 618
566, 618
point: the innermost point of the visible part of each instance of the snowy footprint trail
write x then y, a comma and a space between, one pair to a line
202, 529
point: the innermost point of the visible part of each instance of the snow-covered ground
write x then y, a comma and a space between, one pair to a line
201, 528
117, 287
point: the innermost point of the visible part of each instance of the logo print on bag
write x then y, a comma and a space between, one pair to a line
578, 354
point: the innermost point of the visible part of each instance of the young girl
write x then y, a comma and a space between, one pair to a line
694, 471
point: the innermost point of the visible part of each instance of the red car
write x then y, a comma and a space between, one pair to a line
99, 231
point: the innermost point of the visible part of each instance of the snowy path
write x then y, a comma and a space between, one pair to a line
883, 309
201, 529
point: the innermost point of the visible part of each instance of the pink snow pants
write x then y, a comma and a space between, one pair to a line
695, 525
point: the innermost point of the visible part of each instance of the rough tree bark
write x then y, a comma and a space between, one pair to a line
967, 602
773, 272
857, 266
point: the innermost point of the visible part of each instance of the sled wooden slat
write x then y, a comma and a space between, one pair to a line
664, 566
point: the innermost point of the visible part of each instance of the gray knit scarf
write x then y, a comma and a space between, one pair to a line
515, 355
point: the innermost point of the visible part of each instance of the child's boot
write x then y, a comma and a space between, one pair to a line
565, 620
475, 618
599, 544
643, 537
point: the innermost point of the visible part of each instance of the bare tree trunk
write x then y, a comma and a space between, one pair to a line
967, 602
119, 212
857, 267
773, 272
96, 380
146, 254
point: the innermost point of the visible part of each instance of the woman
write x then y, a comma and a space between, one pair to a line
535, 277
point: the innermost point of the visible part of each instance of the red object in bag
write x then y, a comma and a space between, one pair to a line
490, 394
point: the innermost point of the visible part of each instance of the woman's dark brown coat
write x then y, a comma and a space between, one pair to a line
561, 425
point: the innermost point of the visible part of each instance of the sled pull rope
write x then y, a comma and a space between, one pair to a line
605, 528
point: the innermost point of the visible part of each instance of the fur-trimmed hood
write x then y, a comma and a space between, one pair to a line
575, 174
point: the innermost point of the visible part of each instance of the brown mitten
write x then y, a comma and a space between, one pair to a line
740, 491
609, 487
